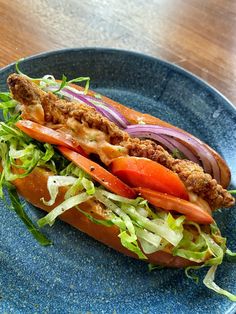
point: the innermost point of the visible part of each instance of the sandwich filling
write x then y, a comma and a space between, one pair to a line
96, 134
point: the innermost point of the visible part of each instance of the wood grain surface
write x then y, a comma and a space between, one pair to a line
198, 35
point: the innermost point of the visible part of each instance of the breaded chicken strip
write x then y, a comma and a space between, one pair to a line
96, 134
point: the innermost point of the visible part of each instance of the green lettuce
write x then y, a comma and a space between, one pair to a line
209, 283
63, 207
17, 206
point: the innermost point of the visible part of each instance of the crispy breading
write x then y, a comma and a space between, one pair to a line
60, 111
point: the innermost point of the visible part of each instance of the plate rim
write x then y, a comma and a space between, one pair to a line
171, 65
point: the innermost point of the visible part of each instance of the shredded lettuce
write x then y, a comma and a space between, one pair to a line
23, 153
104, 222
5, 97
63, 207
157, 226
175, 224
66, 83
152, 267
117, 210
209, 283
131, 245
72, 177
48, 80
208, 247
28, 156
141, 231
150, 242
153, 233
194, 249
88, 186
7, 104
137, 201
17, 206
231, 256
75, 188
53, 184
216, 250
193, 276
197, 257
62, 85
75, 185
72, 170
197, 245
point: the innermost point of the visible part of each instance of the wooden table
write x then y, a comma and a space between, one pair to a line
199, 35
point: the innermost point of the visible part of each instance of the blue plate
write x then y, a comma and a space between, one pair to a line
78, 274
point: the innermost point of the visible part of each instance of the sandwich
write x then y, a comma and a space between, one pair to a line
129, 180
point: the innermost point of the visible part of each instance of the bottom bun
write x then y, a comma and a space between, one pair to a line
34, 187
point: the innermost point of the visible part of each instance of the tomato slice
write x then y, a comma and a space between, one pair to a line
47, 135
146, 173
99, 174
167, 202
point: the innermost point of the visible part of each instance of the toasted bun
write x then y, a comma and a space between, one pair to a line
34, 187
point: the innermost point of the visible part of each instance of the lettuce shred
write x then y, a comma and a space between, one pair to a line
209, 283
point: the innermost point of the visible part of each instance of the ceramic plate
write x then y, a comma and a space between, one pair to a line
78, 274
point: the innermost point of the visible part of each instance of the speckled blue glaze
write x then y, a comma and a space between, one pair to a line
79, 275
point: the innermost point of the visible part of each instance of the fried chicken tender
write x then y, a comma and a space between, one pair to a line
72, 115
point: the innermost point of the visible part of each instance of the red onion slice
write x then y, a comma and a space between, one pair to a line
161, 140
119, 116
104, 109
209, 162
70, 94
183, 149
